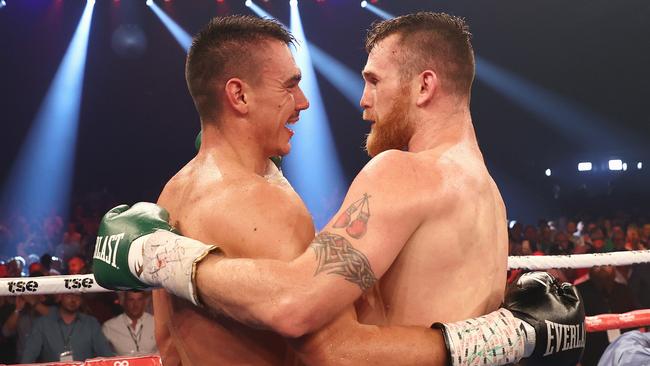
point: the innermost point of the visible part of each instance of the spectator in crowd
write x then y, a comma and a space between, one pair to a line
4, 270
65, 334
15, 267
70, 245
515, 236
602, 295
633, 239
561, 245
575, 236
545, 239
132, 332
618, 238
639, 283
645, 236
530, 234
77, 265
27, 309
46, 262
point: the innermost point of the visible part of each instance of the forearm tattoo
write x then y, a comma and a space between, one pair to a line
336, 255
355, 228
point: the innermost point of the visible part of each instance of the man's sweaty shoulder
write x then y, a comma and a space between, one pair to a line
243, 213
247, 216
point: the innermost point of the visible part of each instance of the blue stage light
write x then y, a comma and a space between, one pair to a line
321, 188
181, 36
40, 179
379, 12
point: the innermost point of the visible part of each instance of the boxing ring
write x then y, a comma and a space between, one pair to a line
598, 323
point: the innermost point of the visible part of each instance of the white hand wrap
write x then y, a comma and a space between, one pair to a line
165, 259
497, 338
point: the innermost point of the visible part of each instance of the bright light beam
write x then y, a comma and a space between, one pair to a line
380, 13
346, 81
181, 36
258, 10
313, 165
342, 77
40, 178
568, 119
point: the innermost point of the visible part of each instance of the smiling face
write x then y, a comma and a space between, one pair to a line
386, 99
276, 99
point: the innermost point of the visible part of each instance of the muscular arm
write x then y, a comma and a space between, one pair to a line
357, 246
345, 341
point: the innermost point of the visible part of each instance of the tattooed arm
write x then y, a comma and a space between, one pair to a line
346, 258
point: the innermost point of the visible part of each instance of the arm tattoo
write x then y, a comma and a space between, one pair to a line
336, 255
355, 228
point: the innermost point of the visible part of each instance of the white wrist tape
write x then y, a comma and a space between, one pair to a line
165, 259
497, 338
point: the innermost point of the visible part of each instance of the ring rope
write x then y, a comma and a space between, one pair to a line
49, 285
87, 283
537, 262
632, 319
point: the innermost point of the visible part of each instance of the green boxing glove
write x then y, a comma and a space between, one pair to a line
197, 141
136, 248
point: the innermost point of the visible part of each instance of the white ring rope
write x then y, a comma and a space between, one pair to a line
537, 262
87, 283
49, 285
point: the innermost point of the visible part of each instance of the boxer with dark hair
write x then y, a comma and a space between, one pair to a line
400, 242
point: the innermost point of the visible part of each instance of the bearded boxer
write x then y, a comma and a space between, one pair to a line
424, 216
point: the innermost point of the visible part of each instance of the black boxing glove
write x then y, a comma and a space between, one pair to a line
541, 320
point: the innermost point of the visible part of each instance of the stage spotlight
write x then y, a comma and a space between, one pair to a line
346, 81
40, 180
615, 164
548, 172
181, 36
584, 166
322, 189
248, 3
624, 166
380, 13
2, 4
512, 224
639, 165
149, 2
293, 2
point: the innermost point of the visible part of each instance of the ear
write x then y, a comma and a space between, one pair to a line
427, 87
236, 95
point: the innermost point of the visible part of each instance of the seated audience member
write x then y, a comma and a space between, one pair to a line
46, 261
618, 238
15, 267
602, 295
633, 239
76, 266
132, 332
8, 341
65, 334
561, 245
27, 309
645, 236
639, 283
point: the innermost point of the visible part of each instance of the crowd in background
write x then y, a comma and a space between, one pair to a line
51, 246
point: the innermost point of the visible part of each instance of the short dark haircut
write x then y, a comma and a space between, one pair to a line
434, 41
227, 47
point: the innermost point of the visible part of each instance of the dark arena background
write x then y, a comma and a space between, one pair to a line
95, 112
557, 84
